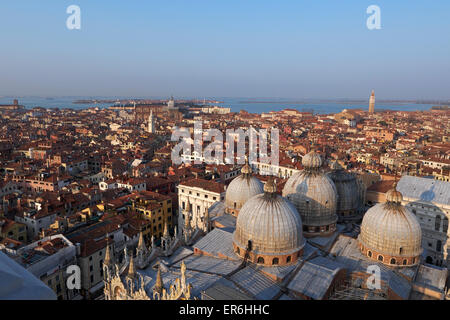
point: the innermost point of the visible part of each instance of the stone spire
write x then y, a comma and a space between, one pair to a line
159, 285
108, 259
206, 222
187, 222
131, 268
166, 230
141, 244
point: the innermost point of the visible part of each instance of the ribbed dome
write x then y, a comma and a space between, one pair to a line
390, 229
312, 160
240, 190
315, 199
347, 189
291, 184
312, 163
271, 223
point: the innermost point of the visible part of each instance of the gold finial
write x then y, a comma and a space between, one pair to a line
270, 186
246, 169
393, 195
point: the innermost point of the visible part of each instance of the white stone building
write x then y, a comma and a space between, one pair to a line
200, 194
429, 200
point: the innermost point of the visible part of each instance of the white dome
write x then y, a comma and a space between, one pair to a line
271, 223
391, 229
240, 190
315, 199
291, 184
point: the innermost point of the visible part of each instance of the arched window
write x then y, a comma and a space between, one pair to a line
288, 259
405, 262
445, 225
437, 224
369, 253
401, 250
380, 257
393, 261
275, 261
260, 260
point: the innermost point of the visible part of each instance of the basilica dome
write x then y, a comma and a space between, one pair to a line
347, 188
311, 160
314, 195
390, 233
241, 189
270, 228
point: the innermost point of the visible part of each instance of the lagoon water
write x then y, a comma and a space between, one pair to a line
252, 105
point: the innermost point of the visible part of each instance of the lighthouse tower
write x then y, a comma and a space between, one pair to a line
151, 123
372, 102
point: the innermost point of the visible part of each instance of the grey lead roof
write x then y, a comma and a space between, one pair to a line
217, 242
425, 189
257, 284
224, 289
431, 277
315, 277
209, 264
226, 220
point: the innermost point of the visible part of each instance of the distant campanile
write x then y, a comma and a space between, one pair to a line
372, 102
151, 123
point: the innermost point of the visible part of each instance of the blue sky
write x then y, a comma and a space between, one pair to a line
227, 48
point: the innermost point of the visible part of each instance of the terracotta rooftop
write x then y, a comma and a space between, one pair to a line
204, 184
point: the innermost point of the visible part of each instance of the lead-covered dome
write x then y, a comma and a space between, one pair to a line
314, 195
311, 161
272, 227
242, 188
348, 200
390, 233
